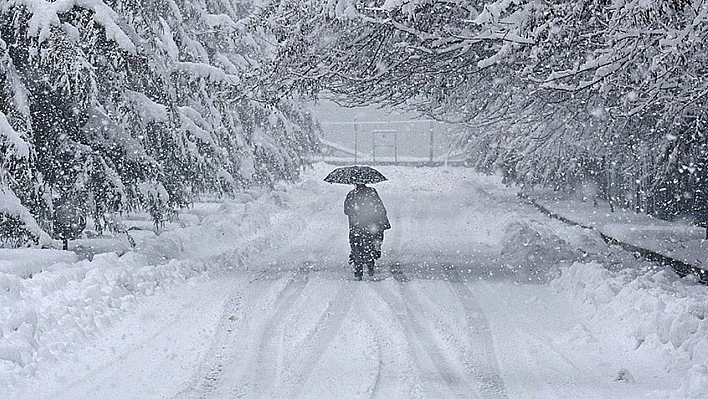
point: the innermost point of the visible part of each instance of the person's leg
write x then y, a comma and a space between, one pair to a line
368, 246
357, 250
378, 242
358, 270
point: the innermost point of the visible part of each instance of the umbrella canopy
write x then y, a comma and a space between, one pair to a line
355, 175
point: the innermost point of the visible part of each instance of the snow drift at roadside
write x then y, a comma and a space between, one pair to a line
655, 309
50, 301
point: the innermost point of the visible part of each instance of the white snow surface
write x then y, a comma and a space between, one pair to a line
680, 240
476, 295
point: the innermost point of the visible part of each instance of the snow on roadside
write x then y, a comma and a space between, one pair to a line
25, 262
532, 250
50, 302
656, 311
648, 312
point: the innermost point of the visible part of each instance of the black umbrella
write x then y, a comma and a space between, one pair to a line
355, 175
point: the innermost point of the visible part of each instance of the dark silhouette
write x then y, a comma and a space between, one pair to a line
367, 222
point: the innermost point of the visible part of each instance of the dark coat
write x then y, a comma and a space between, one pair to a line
367, 222
366, 211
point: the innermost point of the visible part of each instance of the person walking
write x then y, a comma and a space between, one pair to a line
367, 223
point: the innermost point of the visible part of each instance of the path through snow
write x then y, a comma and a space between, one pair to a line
453, 311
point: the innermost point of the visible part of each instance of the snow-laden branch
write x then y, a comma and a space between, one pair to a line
207, 71
17, 146
45, 14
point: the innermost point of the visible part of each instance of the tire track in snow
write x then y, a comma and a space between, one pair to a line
422, 344
321, 337
240, 323
457, 382
376, 388
206, 381
251, 355
481, 358
269, 360
394, 374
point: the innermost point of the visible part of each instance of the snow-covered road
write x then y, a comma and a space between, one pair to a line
460, 307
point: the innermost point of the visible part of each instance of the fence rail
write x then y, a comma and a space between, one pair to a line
389, 142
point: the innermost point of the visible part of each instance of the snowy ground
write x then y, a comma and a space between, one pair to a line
477, 295
678, 240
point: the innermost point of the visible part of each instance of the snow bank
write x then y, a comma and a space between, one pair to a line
51, 302
26, 262
534, 251
657, 310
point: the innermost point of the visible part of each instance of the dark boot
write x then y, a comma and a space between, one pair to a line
370, 265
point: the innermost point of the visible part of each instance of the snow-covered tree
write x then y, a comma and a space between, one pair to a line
551, 92
129, 105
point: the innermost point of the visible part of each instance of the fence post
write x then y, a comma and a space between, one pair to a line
356, 140
395, 147
431, 142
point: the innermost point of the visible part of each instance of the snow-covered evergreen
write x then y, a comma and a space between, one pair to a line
118, 105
